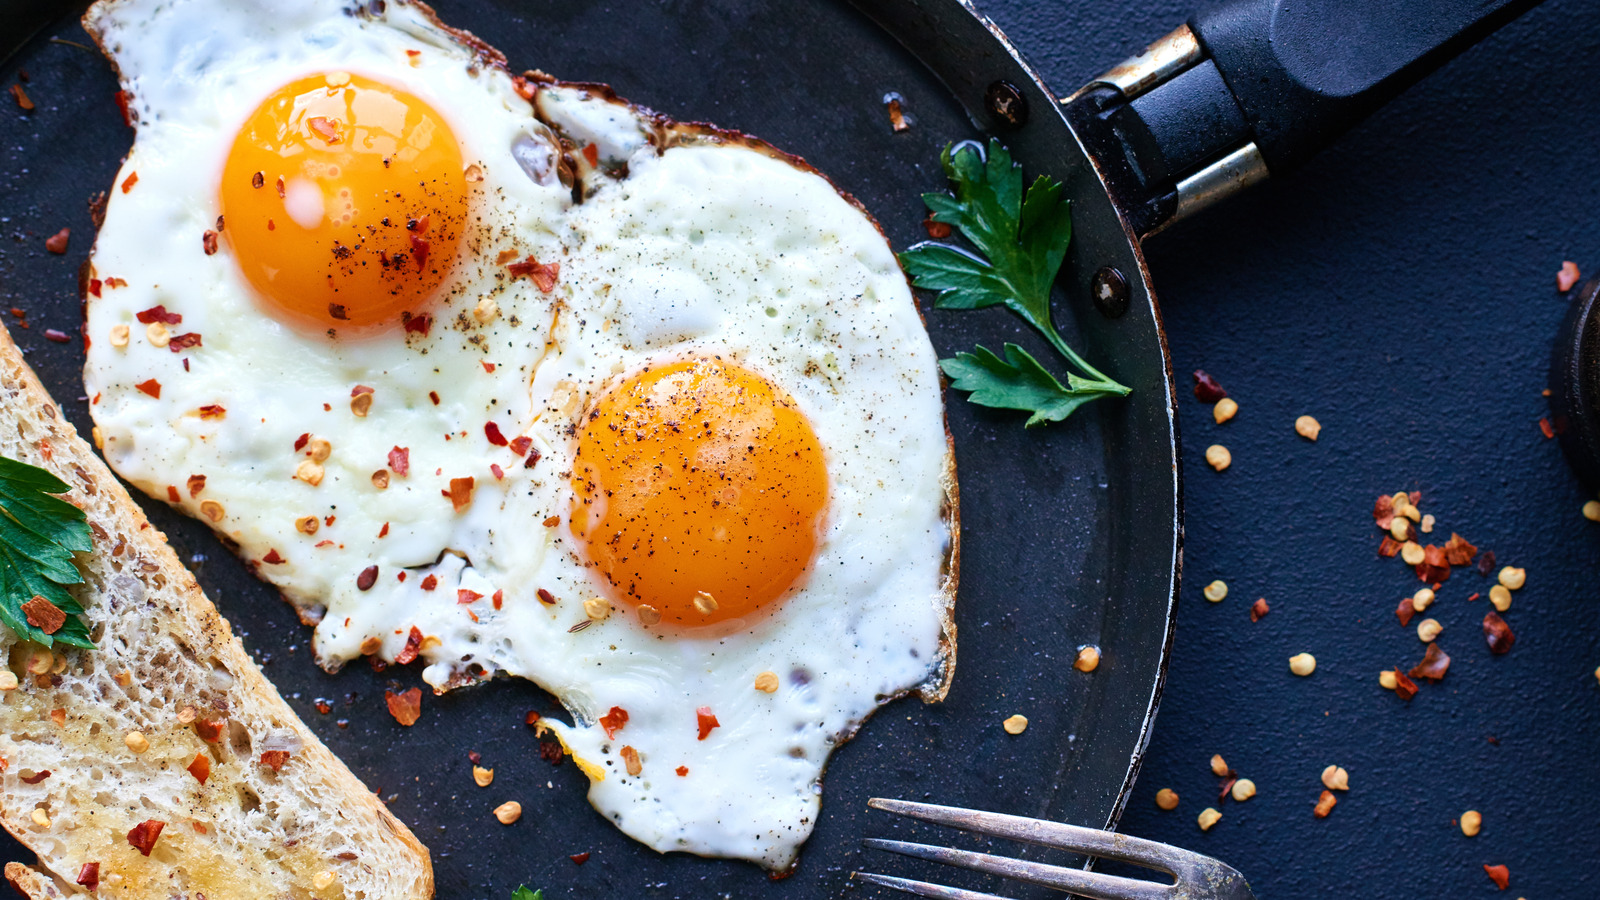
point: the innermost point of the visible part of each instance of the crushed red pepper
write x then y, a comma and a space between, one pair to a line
1259, 609
460, 492
1435, 663
591, 154
406, 706
89, 875
130, 181
520, 445
1500, 875
36, 777
158, 313
580, 858
1405, 611
544, 276
44, 615
412, 648
60, 337
417, 324
209, 730
367, 578
274, 759
613, 721
492, 432
400, 460
1497, 633
1404, 686
181, 342
57, 243
200, 767
1206, 388
273, 558
143, 836
196, 484
464, 596
706, 721
430, 582
24, 102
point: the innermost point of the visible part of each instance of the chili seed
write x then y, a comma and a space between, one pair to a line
1015, 724
1167, 799
1302, 664
1428, 629
1244, 789
1513, 578
1500, 597
1225, 409
1215, 591
1218, 457
1335, 778
1307, 427
1219, 766
508, 812
1471, 822
1209, 817
1088, 659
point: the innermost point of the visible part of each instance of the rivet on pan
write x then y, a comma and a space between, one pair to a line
1110, 291
1007, 104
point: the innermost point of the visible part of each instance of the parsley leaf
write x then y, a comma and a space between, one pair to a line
38, 534
522, 893
1023, 238
1019, 382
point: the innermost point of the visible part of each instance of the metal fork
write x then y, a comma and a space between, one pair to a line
1197, 877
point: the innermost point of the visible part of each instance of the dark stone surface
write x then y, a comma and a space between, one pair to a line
1400, 288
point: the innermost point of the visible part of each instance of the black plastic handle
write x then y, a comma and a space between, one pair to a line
1305, 71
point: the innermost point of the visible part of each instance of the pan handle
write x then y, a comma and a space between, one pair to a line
1256, 87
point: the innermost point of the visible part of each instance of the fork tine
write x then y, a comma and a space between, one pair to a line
1078, 881
922, 888
1090, 841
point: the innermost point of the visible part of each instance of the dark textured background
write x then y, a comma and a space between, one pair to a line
1400, 289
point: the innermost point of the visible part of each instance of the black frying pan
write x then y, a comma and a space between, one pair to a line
1072, 534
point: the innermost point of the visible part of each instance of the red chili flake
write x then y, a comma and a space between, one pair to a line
551, 752
273, 558
44, 615
1325, 804
492, 432
682, 771
474, 757
1500, 875
533, 457
498, 598
414, 53
196, 484
419, 252
59, 337
406, 707
1457, 552
213, 411
384, 532
57, 243
1435, 662
531, 719
936, 230
158, 314
209, 730
1498, 633
36, 777
1226, 788
400, 460
326, 129
499, 473
151, 387
143, 836
580, 858
460, 492
546, 597
1383, 511
200, 767
1568, 276
89, 875
124, 103
1403, 685
430, 582
592, 154
1405, 611
1433, 566
520, 445
420, 226
487, 366
411, 649
94, 286
181, 342
24, 102
1546, 428
420, 324
208, 242
367, 578
705, 720
544, 277
1206, 388
434, 396
274, 759
1389, 547
1486, 563
464, 596
1259, 609
115, 282
613, 721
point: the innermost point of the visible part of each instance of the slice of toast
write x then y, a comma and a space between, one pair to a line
96, 742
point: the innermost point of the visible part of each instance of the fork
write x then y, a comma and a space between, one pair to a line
1197, 877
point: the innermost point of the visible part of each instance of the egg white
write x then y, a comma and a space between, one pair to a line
684, 245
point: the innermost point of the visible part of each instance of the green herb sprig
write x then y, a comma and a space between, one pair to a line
38, 535
522, 893
1023, 240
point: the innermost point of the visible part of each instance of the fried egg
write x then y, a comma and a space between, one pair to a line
508, 376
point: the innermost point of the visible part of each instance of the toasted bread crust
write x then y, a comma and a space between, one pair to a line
160, 647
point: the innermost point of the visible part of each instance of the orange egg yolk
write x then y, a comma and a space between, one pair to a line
700, 491
343, 201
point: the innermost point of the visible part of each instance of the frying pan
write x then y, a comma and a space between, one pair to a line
1072, 533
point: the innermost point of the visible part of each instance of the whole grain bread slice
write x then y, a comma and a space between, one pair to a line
277, 814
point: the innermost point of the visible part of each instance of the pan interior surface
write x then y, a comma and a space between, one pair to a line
1070, 532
